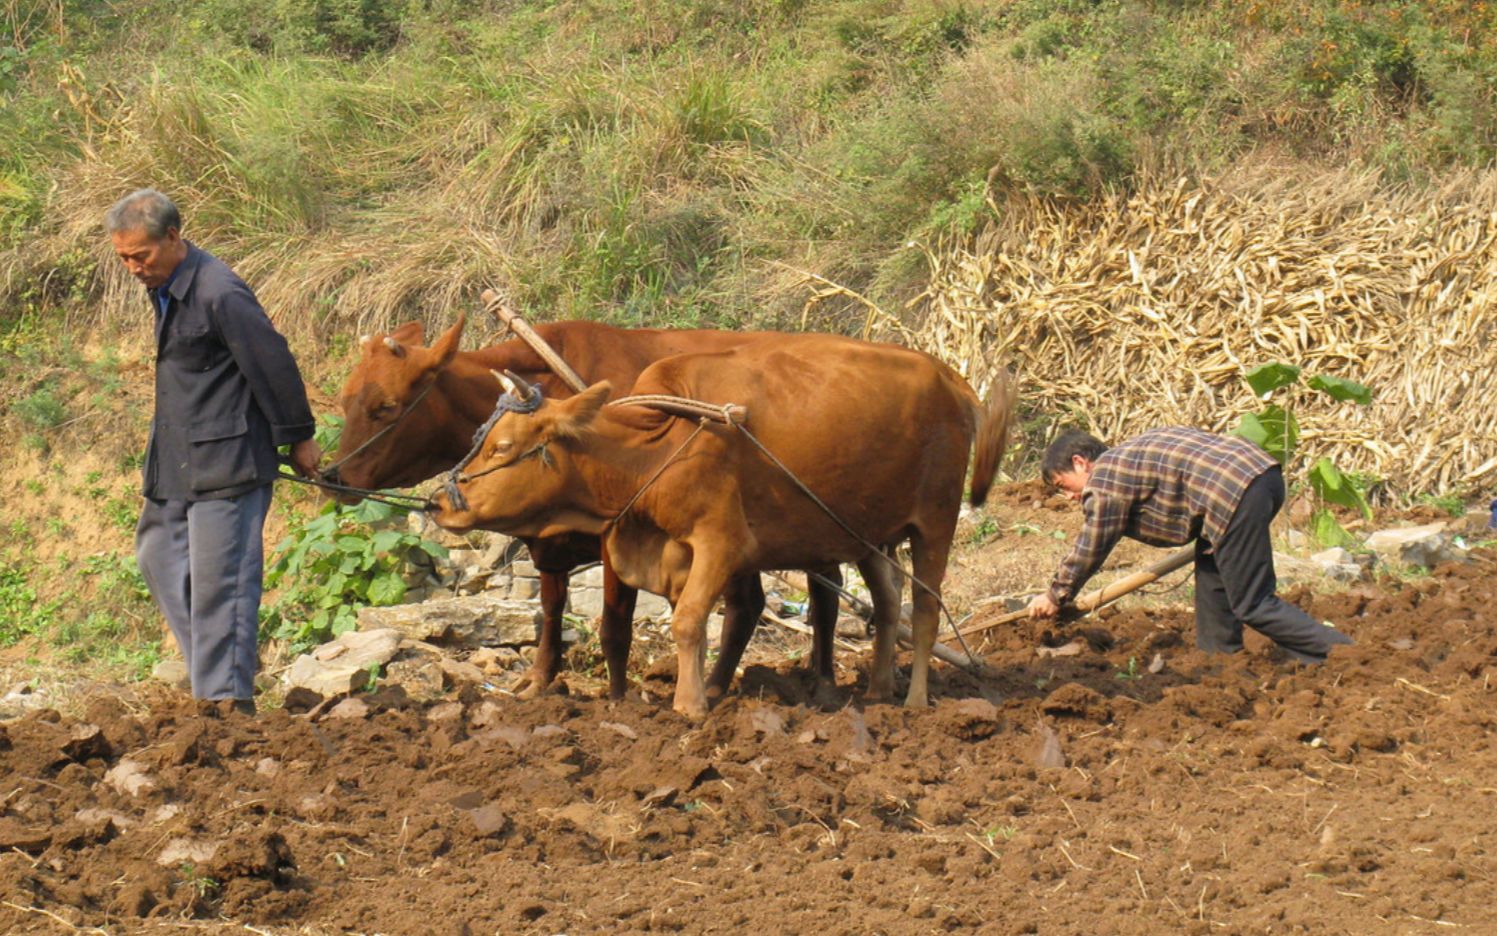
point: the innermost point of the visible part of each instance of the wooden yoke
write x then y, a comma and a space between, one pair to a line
494, 303
1093, 600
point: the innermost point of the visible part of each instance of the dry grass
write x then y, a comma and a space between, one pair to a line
1146, 309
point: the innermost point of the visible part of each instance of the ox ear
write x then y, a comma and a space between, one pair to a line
411, 333
571, 416
447, 344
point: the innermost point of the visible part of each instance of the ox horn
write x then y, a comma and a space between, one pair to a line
396, 348
506, 383
521, 382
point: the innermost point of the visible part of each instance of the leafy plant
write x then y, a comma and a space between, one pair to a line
1275, 429
1130, 672
42, 410
334, 564
20, 613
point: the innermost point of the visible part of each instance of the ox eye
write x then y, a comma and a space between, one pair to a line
503, 447
383, 410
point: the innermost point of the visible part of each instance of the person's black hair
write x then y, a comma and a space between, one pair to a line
1069, 444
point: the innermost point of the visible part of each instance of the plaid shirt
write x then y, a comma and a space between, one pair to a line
1165, 487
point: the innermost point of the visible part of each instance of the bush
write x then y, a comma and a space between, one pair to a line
334, 564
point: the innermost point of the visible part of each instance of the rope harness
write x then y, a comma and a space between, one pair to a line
728, 414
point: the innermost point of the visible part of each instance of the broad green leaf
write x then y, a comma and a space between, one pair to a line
433, 549
1270, 377
372, 511
1333, 487
346, 621
1326, 531
1275, 430
351, 543
386, 589
386, 540
1343, 390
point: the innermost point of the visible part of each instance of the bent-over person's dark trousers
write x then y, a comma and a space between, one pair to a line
1235, 584
204, 563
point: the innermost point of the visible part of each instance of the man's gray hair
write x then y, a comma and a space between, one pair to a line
143, 210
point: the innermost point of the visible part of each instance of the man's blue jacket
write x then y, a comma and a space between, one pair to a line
228, 391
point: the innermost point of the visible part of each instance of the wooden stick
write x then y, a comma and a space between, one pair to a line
1091, 601
494, 303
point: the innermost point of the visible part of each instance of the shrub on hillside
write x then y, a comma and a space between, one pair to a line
350, 28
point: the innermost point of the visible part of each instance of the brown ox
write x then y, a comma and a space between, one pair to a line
428, 402
879, 432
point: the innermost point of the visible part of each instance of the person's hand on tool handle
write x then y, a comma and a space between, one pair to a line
1043, 606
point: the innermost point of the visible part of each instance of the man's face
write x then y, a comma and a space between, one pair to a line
149, 259
1071, 483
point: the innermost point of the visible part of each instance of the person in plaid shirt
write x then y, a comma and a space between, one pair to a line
1168, 487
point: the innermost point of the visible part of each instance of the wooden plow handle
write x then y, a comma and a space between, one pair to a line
495, 304
1093, 600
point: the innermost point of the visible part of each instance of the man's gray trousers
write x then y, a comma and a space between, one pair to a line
204, 563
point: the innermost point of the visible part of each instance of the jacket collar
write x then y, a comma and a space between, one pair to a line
185, 273
181, 283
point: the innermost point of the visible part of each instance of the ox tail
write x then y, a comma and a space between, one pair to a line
994, 423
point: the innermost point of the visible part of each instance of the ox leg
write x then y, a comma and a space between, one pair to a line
928, 555
616, 629
549, 649
744, 602
704, 584
884, 590
823, 615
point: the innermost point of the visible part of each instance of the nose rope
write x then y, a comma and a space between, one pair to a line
507, 403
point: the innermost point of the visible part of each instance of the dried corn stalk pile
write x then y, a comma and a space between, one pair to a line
1145, 310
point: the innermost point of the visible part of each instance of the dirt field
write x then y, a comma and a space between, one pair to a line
1087, 793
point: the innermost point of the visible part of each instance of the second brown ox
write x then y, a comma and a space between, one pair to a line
880, 433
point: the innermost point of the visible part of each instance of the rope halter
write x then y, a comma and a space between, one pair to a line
518, 397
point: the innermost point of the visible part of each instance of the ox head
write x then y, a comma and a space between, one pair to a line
522, 478
392, 435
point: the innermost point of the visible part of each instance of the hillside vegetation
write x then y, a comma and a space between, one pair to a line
765, 163
673, 162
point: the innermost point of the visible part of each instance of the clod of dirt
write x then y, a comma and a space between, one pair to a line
488, 820
349, 708
300, 700
766, 722
194, 851
1071, 649
859, 741
14, 835
1073, 700
86, 742
1047, 751
968, 719
130, 778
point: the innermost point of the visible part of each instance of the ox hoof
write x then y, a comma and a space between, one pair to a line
534, 684
826, 697
916, 701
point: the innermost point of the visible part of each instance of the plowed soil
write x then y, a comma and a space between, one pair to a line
1135, 787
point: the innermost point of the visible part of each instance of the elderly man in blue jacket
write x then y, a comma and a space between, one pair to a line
228, 394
